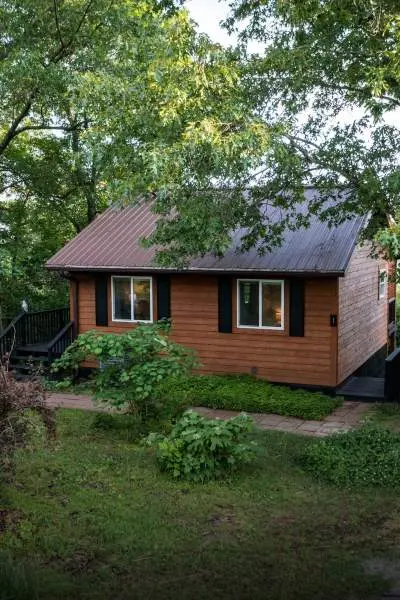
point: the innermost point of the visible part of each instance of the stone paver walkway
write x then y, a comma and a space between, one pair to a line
344, 418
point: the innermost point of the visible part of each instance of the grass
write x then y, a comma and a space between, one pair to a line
246, 393
387, 414
93, 519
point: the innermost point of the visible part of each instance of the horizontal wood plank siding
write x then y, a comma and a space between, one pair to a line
362, 316
308, 360
272, 354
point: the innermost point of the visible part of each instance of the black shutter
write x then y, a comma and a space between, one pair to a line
296, 316
102, 300
163, 297
225, 304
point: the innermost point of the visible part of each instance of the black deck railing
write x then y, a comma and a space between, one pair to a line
10, 335
60, 342
30, 328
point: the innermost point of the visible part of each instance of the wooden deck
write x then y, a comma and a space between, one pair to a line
365, 388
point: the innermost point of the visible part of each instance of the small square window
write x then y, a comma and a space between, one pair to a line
382, 284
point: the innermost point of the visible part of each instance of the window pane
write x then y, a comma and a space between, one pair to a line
382, 284
141, 295
271, 305
122, 298
248, 303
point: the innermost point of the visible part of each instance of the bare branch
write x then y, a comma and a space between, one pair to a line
66, 128
57, 23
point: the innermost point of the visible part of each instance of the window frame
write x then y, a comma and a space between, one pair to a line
384, 282
260, 285
132, 279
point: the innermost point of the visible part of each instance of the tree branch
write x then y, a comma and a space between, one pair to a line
57, 23
61, 52
12, 131
66, 128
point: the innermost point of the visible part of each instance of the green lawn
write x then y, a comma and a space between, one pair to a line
94, 519
387, 414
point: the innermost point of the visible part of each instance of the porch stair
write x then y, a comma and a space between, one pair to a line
33, 340
369, 389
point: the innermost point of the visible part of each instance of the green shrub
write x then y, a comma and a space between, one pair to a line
200, 449
246, 393
132, 365
369, 456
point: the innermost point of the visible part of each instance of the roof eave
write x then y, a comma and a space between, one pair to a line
214, 270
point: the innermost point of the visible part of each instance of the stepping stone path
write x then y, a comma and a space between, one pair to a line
342, 419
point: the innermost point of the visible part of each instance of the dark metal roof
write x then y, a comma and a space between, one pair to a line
112, 243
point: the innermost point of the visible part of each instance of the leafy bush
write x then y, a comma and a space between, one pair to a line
132, 365
200, 449
369, 456
246, 393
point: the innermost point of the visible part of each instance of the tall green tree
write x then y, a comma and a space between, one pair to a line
115, 100
330, 74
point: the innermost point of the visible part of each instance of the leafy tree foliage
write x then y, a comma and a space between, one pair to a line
323, 58
116, 100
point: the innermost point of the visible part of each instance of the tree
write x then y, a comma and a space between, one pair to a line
322, 58
112, 101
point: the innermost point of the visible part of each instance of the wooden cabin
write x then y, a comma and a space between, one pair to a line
313, 312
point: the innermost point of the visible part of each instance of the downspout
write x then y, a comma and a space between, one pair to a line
75, 300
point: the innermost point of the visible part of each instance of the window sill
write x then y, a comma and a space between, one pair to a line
258, 328
128, 321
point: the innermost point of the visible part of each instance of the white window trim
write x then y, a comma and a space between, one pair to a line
132, 278
382, 296
260, 284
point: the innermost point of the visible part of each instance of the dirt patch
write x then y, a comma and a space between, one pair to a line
9, 519
389, 570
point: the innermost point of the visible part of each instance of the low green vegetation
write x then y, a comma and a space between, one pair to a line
248, 394
200, 449
92, 518
386, 414
369, 456
144, 372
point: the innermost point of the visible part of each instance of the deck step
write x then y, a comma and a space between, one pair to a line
29, 358
32, 349
363, 388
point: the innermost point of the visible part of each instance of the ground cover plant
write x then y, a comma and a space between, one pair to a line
386, 414
248, 394
369, 456
94, 519
200, 449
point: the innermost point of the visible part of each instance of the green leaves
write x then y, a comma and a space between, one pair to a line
246, 393
366, 457
131, 365
200, 449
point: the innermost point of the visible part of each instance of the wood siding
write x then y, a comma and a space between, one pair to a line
362, 316
308, 360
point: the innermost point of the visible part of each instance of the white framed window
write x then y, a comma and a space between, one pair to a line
382, 286
132, 299
260, 303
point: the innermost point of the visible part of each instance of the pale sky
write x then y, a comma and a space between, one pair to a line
208, 14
